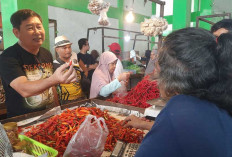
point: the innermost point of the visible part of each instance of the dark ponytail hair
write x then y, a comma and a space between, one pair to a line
222, 90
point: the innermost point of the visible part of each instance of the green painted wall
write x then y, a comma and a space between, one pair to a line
10, 6
42, 10
78, 5
205, 9
153, 11
196, 5
181, 14
120, 22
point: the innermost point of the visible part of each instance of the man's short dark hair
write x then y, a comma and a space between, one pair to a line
82, 42
21, 15
225, 23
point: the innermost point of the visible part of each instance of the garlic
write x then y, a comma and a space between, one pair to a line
96, 6
154, 26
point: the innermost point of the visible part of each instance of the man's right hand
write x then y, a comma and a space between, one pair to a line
62, 75
28, 88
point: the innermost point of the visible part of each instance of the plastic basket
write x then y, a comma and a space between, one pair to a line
36, 148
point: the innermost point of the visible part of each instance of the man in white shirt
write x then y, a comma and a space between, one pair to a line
116, 49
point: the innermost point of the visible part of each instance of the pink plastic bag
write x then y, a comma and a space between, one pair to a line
89, 140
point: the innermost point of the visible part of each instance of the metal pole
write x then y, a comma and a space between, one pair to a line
158, 1
202, 18
103, 42
207, 21
88, 34
161, 15
148, 42
134, 41
197, 22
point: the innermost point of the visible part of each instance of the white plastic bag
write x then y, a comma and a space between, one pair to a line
89, 140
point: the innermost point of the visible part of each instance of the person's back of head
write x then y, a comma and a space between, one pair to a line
224, 48
148, 53
21, 15
95, 54
82, 42
187, 62
225, 23
223, 88
115, 48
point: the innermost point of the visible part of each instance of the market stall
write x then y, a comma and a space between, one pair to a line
48, 131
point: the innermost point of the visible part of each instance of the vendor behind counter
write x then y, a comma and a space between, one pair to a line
26, 68
103, 81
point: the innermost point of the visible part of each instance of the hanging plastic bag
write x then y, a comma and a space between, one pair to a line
89, 140
153, 26
103, 19
96, 6
122, 91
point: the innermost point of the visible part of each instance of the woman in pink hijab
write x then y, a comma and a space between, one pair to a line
103, 82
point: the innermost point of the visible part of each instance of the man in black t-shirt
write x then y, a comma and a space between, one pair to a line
89, 63
26, 68
85, 57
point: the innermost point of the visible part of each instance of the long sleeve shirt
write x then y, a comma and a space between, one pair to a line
110, 88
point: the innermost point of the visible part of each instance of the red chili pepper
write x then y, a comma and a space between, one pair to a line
143, 91
70, 63
60, 129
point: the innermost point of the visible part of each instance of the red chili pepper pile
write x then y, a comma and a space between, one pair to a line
58, 130
138, 96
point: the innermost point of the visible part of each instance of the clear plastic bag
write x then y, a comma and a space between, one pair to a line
122, 91
95, 6
103, 19
89, 140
